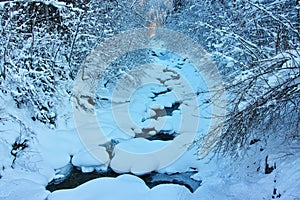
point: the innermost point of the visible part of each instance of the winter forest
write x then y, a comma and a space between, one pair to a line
149, 99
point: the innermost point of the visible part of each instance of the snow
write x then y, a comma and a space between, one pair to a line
58, 4
141, 145
57, 147
128, 155
122, 187
22, 189
134, 156
221, 177
123, 118
5, 157
85, 159
21, 174
221, 180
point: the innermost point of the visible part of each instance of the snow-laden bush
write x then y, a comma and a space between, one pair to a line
256, 46
43, 44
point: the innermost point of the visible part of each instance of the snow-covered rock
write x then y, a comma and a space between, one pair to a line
136, 156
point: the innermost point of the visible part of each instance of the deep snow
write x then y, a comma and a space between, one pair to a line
49, 151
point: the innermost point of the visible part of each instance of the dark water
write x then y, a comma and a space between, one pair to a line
77, 177
153, 179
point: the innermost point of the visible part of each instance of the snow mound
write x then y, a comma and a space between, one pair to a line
122, 187
87, 161
132, 156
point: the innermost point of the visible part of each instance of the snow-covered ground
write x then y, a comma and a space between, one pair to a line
41, 154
